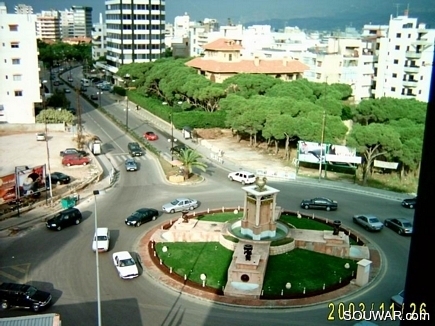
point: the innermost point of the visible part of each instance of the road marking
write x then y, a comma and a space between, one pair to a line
15, 273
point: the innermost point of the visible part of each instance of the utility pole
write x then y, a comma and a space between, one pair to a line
79, 120
322, 154
48, 162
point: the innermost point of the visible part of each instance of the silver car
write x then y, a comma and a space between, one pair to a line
179, 205
368, 222
130, 165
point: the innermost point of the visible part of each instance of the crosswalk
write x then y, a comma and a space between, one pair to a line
120, 158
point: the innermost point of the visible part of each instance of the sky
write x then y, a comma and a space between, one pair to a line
291, 12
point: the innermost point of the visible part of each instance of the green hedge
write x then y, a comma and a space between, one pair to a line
193, 119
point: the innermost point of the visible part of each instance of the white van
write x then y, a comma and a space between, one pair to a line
85, 82
103, 236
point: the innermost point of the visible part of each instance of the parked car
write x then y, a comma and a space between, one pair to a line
319, 203
66, 90
56, 83
74, 151
149, 135
400, 225
65, 218
101, 240
397, 300
125, 265
59, 178
410, 202
70, 79
134, 149
180, 204
40, 136
130, 164
94, 97
72, 159
73, 111
141, 216
23, 296
83, 89
243, 177
368, 222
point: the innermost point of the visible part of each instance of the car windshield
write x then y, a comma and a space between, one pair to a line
102, 238
175, 202
251, 176
407, 224
373, 220
31, 291
126, 262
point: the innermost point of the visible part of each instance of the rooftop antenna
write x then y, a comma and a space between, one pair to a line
397, 9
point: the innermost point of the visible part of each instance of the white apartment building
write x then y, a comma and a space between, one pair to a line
23, 9
66, 23
404, 65
19, 72
135, 32
48, 25
99, 39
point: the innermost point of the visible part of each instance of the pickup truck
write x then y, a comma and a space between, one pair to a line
73, 151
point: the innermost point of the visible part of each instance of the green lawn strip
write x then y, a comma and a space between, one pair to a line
305, 223
302, 268
220, 217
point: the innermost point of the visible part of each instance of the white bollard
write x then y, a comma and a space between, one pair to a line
170, 270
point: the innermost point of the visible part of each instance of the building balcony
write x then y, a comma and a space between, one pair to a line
409, 83
413, 54
408, 96
421, 42
411, 69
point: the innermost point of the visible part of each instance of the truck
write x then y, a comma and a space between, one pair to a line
95, 145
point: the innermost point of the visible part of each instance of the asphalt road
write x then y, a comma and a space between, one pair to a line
63, 262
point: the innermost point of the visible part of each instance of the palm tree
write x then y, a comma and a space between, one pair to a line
190, 159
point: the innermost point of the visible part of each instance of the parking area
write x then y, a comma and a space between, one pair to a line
23, 150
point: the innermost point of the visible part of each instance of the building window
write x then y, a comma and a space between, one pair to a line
15, 61
398, 35
13, 28
17, 77
18, 93
396, 61
393, 89
15, 45
394, 75
397, 47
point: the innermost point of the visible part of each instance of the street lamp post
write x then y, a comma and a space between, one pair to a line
99, 98
126, 114
322, 154
96, 192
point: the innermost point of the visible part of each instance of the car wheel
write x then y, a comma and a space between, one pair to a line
243, 182
68, 164
191, 208
154, 218
400, 231
5, 305
328, 208
172, 211
411, 206
306, 206
366, 227
58, 183
138, 224
77, 221
386, 224
59, 228
84, 163
35, 308
231, 179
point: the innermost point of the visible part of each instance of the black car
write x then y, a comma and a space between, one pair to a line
142, 215
134, 149
23, 296
410, 202
67, 217
178, 149
94, 97
319, 203
59, 178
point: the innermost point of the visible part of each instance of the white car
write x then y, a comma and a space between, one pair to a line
243, 177
125, 265
40, 136
102, 236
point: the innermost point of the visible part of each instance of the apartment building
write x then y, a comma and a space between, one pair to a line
82, 21
66, 23
19, 70
48, 26
23, 9
404, 60
135, 32
99, 39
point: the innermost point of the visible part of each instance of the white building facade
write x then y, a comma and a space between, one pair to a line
19, 72
82, 21
404, 65
48, 25
135, 32
99, 39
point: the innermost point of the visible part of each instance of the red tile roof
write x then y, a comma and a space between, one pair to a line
223, 44
265, 66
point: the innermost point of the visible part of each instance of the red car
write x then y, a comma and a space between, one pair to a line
149, 135
69, 160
